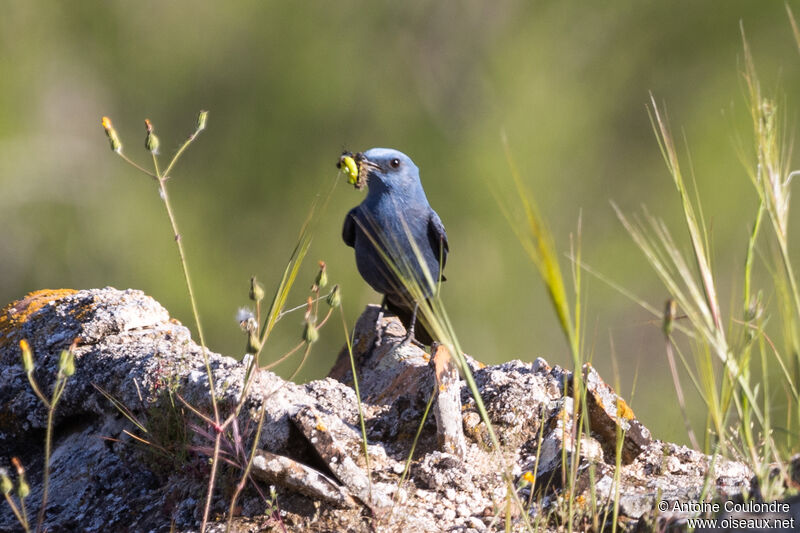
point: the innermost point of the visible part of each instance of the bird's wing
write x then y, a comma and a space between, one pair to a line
437, 238
349, 228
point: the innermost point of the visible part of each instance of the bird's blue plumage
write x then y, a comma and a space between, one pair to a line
381, 229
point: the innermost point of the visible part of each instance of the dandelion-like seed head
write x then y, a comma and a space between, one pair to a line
244, 315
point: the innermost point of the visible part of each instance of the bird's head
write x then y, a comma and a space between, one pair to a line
386, 170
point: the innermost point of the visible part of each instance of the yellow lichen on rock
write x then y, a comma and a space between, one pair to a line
623, 410
17, 313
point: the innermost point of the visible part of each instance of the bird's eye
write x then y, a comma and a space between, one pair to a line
395, 163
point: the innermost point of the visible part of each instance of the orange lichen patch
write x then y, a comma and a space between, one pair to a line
17, 313
442, 361
623, 410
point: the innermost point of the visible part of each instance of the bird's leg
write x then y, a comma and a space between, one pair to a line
378, 327
410, 333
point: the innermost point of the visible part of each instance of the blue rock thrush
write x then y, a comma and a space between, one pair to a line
381, 230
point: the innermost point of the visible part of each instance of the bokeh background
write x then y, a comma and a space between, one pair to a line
289, 85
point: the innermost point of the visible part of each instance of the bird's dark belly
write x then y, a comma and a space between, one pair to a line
385, 278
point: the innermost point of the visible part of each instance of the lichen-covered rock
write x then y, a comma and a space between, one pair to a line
310, 448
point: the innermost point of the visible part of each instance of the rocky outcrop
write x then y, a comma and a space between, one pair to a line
132, 435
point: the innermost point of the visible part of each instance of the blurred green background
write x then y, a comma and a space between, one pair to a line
289, 85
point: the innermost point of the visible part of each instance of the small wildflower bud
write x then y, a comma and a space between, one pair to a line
670, 309
202, 117
113, 138
310, 333
253, 343
18, 466
27, 356
334, 299
23, 489
151, 141
322, 277
6, 486
256, 290
66, 363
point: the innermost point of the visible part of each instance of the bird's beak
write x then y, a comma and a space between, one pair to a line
362, 161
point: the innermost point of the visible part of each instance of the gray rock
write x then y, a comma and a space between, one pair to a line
310, 448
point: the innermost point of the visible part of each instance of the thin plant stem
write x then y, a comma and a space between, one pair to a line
136, 165
679, 393
246, 473
298, 307
283, 357
179, 153
48, 441
302, 362
37, 390
24, 511
349, 341
17, 512
161, 178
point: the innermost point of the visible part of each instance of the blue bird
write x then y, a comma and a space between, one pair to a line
381, 229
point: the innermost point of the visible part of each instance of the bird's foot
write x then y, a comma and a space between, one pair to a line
409, 339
